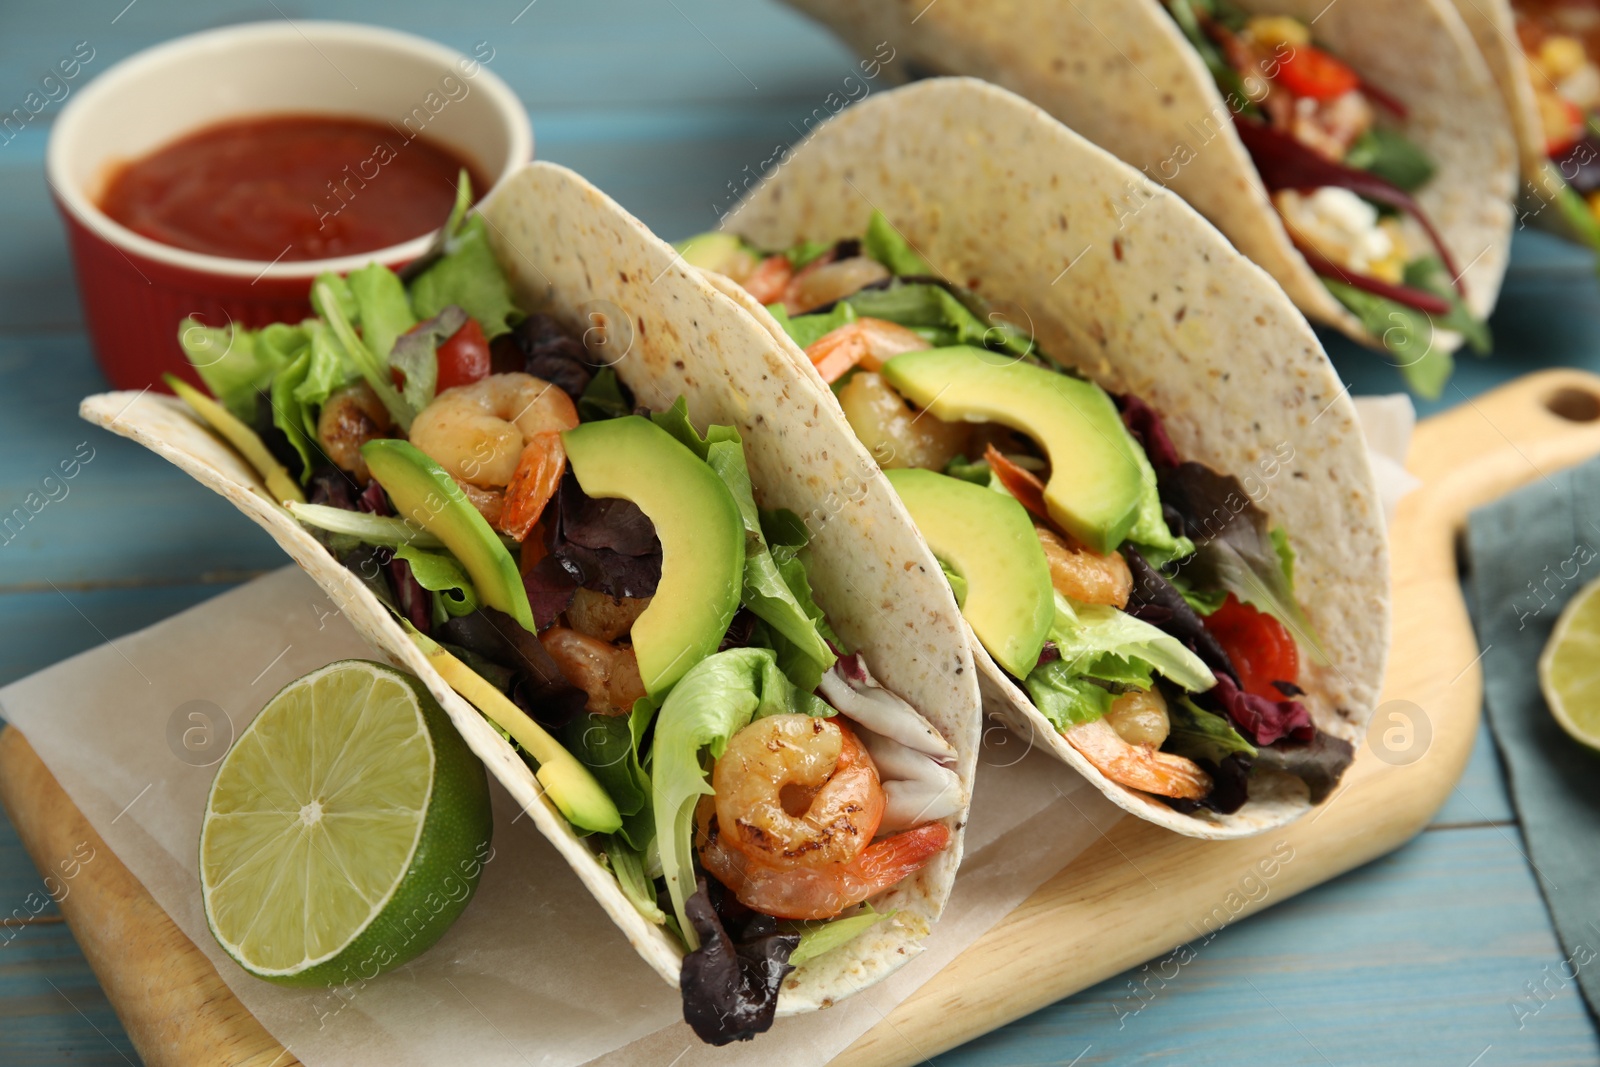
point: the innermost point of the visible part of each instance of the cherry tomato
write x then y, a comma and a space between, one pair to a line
464, 357
1309, 71
1261, 649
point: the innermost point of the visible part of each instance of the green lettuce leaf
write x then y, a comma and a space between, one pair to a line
469, 276
888, 246
806, 253
415, 354
958, 584
718, 696
1065, 697
332, 299
603, 398
1573, 208
1406, 332
1203, 601
1246, 556
1198, 734
440, 574
1150, 534
230, 363
291, 416
806, 330
819, 936
803, 650
1099, 641
976, 472
382, 308
607, 746
1429, 275
628, 865
935, 313
329, 369
1392, 156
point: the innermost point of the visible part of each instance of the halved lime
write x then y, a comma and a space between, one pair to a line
345, 830
1569, 668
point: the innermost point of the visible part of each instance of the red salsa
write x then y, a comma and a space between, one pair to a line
289, 187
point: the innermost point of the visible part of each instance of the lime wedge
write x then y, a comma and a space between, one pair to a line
1569, 668
345, 830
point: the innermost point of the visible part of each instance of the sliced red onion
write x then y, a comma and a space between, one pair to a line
1421, 299
1284, 163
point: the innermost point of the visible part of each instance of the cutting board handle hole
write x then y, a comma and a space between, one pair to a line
1574, 405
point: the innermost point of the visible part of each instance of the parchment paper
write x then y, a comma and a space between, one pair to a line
533, 973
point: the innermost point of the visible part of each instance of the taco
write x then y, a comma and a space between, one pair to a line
1545, 56
596, 509
1357, 151
1143, 478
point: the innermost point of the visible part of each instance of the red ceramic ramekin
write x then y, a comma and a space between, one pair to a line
136, 291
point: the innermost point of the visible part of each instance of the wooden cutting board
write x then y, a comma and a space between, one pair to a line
1134, 895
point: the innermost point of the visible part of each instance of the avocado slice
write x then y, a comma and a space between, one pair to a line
987, 538
429, 497
241, 437
571, 785
702, 538
1094, 484
722, 252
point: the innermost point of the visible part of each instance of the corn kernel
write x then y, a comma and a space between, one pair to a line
1560, 56
1273, 30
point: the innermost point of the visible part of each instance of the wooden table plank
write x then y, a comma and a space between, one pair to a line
1480, 797
124, 515
1399, 962
24, 897
634, 97
52, 1010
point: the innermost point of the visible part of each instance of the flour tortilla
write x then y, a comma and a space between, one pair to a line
1121, 279
1494, 27
575, 254
1121, 73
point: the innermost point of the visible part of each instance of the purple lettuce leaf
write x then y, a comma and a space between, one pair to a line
730, 986
551, 353
606, 545
1234, 546
1319, 763
1147, 428
1262, 721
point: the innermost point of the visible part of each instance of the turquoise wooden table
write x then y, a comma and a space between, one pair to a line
1441, 953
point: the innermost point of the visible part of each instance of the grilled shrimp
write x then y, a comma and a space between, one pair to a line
1086, 576
767, 282
1140, 717
477, 432
815, 768
608, 674
603, 617
824, 891
352, 416
1138, 765
790, 828
826, 280
896, 435
867, 343
500, 435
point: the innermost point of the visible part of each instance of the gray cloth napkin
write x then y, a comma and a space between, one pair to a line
1530, 553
